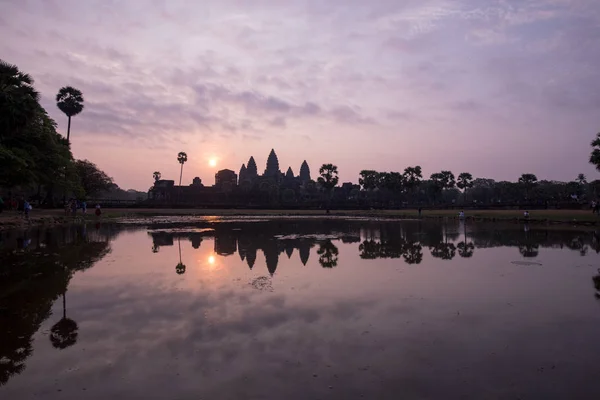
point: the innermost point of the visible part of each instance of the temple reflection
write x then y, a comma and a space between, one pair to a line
38, 264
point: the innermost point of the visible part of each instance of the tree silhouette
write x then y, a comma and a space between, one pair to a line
464, 182
413, 253
64, 333
19, 101
328, 254
595, 156
465, 250
157, 175
581, 179
328, 179
180, 268
182, 159
70, 101
528, 180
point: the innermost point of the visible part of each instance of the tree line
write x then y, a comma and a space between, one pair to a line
409, 186
35, 160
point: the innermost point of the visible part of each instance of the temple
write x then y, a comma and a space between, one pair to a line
248, 187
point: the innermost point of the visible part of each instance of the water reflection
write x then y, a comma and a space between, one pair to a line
38, 265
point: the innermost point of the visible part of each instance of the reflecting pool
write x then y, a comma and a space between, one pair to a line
300, 309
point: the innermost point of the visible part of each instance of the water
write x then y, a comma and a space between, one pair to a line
300, 309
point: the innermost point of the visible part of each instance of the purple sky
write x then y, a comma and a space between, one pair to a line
493, 87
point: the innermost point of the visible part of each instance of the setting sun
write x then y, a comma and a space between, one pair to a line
212, 162
211, 259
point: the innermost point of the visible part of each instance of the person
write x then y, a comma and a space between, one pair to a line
26, 208
98, 212
461, 215
593, 205
526, 214
83, 207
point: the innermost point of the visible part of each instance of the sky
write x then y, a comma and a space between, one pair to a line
493, 87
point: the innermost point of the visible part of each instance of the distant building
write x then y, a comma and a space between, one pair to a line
226, 179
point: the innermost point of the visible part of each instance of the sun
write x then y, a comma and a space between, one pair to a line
211, 260
212, 162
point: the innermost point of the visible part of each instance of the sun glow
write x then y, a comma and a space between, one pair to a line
211, 260
212, 162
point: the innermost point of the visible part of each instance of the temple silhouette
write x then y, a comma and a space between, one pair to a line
248, 187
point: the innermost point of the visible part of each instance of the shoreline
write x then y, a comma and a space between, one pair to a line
56, 217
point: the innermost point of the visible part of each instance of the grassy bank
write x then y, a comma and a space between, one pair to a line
10, 219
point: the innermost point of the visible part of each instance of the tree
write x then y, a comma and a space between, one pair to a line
465, 181
157, 175
182, 159
368, 179
93, 180
64, 333
328, 254
448, 179
581, 179
70, 101
528, 180
19, 101
595, 156
328, 179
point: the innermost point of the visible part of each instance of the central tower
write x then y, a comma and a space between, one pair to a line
272, 169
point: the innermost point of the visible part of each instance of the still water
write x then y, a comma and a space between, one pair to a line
300, 309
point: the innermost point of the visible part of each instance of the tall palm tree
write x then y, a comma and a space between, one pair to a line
70, 101
595, 156
528, 180
464, 182
581, 179
19, 101
182, 159
328, 179
64, 333
180, 268
157, 175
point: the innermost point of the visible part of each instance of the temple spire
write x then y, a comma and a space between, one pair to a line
272, 165
304, 172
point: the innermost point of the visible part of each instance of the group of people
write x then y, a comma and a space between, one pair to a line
22, 206
73, 205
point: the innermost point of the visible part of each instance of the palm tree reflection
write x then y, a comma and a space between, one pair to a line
328, 254
180, 268
64, 333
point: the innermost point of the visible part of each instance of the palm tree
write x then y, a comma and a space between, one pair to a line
157, 175
595, 156
464, 182
528, 180
328, 179
70, 101
581, 179
19, 101
181, 158
412, 177
64, 333
180, 268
